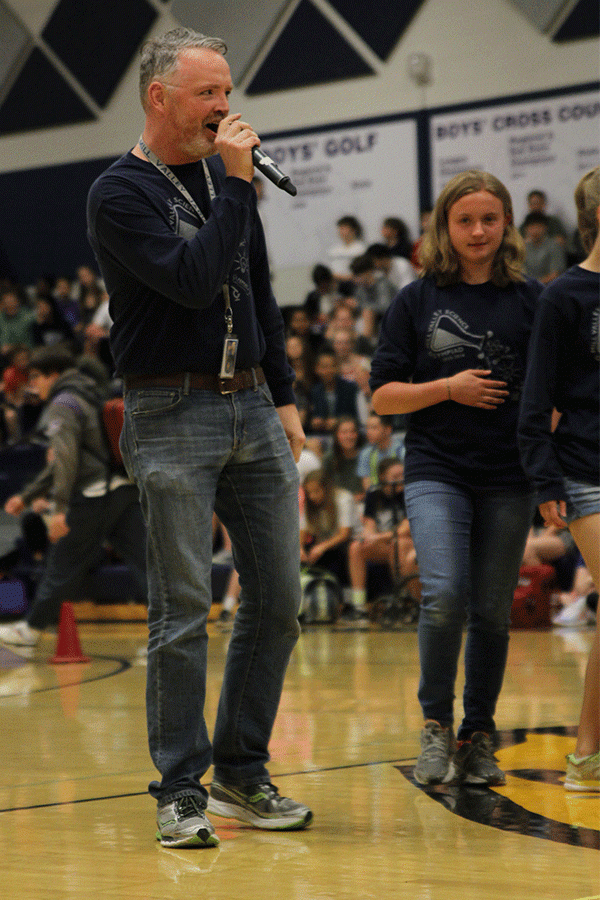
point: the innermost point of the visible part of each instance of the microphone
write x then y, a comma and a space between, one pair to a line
270, 170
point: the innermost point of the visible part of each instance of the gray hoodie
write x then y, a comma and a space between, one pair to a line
77, 458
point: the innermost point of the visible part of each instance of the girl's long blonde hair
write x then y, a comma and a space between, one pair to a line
438, 257
587, 201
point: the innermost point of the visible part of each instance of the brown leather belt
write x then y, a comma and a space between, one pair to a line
199, 381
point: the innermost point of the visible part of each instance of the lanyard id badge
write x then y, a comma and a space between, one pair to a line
230, 343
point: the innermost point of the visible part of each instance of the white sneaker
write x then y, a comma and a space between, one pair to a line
575, 615
19, 634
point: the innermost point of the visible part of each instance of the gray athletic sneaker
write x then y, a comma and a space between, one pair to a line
475, 762
259, 805
183, 823
434, 765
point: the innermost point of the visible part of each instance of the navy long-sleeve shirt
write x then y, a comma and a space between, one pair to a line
432, 332
563, 373
164, 270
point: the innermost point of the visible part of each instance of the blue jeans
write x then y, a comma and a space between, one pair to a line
190, 453
469, 549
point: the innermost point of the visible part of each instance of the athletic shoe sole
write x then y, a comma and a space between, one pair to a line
276, 823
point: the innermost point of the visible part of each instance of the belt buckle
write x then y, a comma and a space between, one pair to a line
225, 386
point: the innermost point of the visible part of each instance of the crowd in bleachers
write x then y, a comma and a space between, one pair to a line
331, 335
57, 311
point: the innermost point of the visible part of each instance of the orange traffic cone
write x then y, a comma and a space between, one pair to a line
68, 648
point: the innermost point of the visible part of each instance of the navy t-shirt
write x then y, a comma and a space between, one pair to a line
164, 270
432, 332
563, 373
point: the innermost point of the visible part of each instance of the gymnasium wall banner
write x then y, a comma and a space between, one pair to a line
365, 169
546, 141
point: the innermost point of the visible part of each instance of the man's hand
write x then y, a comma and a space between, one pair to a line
234, 142
293, 428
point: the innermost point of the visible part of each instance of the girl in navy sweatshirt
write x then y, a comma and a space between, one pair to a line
564, 465
452, 354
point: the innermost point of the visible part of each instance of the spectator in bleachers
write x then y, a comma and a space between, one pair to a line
537, 202
354, 367
301, 361
15, 379
397, 269
326, 524
396, 236
15, 323
350, 246
299, 323
323, 299
69, 307
97, 331
340, 461
331, 395
85, 280
545, 259
382, 444
373, 292
91, 298
385, 535
15, 376
48, 326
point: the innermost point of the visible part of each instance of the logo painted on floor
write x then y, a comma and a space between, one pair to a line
533, 801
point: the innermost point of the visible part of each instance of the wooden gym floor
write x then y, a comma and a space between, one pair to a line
76, 821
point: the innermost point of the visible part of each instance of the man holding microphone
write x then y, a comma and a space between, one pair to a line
210, 426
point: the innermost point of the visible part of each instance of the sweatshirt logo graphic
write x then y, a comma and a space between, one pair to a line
239, 274
183, 219
450, 338
185, 222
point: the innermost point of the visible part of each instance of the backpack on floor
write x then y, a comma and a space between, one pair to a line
531, 603
321, 596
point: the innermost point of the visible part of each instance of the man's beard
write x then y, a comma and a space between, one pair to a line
199, 147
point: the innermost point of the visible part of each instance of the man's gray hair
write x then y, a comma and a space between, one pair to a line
159, 56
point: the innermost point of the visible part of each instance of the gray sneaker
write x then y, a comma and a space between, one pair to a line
434, 765
259, 805
475, 762
183, 823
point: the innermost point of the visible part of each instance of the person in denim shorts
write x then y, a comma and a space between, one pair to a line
564, 463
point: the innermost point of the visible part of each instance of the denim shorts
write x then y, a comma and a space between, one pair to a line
583, 499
